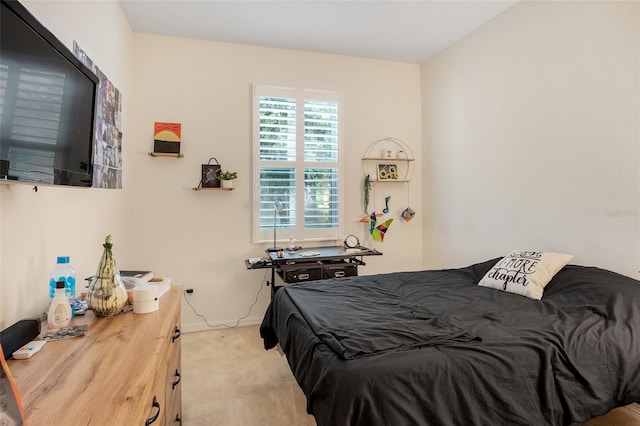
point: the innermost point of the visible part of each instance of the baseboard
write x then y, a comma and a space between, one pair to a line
193, 327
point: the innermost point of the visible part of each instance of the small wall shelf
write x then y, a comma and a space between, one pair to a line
388, 160
165, 154
212, 189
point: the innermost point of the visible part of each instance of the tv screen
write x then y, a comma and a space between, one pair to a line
47, 102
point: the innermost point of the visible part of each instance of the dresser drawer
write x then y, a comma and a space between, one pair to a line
173, 392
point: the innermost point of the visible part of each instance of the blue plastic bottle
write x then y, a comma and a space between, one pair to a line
64, 272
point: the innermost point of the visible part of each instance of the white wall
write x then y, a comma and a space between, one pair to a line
200, 238
36, 227
531, 137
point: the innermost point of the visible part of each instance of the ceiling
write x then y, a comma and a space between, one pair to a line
394, 30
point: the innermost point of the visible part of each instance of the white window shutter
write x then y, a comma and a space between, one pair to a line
297, 164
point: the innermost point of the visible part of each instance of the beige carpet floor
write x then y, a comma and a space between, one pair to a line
230, 380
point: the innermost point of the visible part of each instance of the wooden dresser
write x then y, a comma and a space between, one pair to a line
124, 371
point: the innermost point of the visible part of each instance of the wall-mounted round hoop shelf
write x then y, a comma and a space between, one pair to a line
388, 160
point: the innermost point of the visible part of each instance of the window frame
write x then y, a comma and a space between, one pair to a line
299, 234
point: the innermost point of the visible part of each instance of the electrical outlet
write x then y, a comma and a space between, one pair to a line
188, 292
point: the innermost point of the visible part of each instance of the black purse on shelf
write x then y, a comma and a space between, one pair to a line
210, 173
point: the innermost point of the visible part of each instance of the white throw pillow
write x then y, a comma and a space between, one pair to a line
525, 272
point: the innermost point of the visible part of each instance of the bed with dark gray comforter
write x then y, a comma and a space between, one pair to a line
433, 348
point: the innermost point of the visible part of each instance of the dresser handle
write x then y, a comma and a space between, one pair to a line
178, 419
176, 335
174, 384
154, 418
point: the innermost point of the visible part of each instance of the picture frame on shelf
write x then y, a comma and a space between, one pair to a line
387, 172
210, 173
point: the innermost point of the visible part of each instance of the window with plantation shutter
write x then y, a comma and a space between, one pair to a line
297, 164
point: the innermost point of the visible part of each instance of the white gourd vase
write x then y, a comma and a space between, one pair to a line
107, 294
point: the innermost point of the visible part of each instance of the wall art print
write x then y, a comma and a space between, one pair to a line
387, 172
107, 137
166, 137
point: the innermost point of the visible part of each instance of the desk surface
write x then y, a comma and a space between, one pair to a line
310, 255
320, 253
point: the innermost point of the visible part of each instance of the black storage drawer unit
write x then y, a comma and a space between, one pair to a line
317, 271
314, 263
299, 275
339, 270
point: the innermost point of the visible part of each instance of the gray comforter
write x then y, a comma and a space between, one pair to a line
433, 348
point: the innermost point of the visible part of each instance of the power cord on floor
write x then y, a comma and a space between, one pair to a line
262, 285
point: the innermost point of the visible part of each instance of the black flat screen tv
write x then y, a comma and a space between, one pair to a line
47, 104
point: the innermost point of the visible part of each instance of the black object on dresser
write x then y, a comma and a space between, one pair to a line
18, 335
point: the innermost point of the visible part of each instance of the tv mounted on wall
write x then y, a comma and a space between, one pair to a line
47, 104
